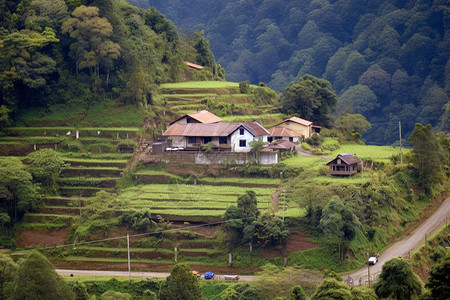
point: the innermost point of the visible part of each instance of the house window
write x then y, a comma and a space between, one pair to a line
278, 138
223, 140
241, 131
192, 140
242, 143
270, 139
207, 139
291, 139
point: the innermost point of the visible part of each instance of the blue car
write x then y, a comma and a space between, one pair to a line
209, 275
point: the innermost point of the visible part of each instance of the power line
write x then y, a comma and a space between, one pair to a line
133, 235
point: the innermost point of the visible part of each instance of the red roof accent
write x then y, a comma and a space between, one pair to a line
283, 132
203, 116
213, 129
298, 120
194, 66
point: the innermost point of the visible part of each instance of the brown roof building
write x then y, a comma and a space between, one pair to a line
235, 137
299, 125
344, 164
202, 116
283, 133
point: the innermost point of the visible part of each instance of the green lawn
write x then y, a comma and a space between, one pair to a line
375, 153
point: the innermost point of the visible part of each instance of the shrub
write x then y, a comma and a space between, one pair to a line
244, 87
315, 140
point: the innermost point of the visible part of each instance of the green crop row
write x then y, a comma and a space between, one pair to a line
198, 189
188, 204
196, 197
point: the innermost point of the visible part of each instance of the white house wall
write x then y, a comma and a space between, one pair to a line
236, 137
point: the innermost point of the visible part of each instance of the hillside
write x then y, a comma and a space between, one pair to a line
387, 60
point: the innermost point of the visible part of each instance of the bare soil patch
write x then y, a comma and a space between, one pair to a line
42, 237
275, 197
299, 242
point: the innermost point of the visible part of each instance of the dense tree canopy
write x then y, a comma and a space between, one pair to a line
311, 98
396, 49
53, 52
398, 281
439, 278
36, 279
181, 284
18, 194
428, 156
339, 224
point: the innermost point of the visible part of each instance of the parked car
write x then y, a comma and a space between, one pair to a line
197, 274
209, 275
231, 277
373, 260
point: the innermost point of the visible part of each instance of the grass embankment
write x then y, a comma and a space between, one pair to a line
435, 248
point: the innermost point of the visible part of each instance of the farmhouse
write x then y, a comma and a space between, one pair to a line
344, 164
234, 137
202, 116
283, 133
298, 125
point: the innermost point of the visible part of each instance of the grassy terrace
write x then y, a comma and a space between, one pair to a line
200, 85
139, 191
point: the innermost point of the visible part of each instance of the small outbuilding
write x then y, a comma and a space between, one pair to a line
345, 164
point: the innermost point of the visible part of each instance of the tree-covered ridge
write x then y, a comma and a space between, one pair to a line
56, 51
387, 60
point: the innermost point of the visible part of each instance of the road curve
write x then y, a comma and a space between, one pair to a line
403, 247
141, 275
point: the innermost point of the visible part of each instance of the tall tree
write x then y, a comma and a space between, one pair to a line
93, 47
311, 98
339, 224
18, 194
36, 279
427, 156
398, 281
181, 284
45, 166
8, 270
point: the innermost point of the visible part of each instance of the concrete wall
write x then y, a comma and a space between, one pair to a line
214, 157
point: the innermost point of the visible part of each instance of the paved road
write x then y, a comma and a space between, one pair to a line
400, 248
142, 275
403, 247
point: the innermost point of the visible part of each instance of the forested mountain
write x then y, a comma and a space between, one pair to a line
386, 59
56, 51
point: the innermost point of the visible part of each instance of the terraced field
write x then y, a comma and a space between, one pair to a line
98, 158
222, 98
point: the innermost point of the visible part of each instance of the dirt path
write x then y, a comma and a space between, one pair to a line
404, 247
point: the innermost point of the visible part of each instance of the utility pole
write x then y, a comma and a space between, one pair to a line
400, 134
368, 269
129, 265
